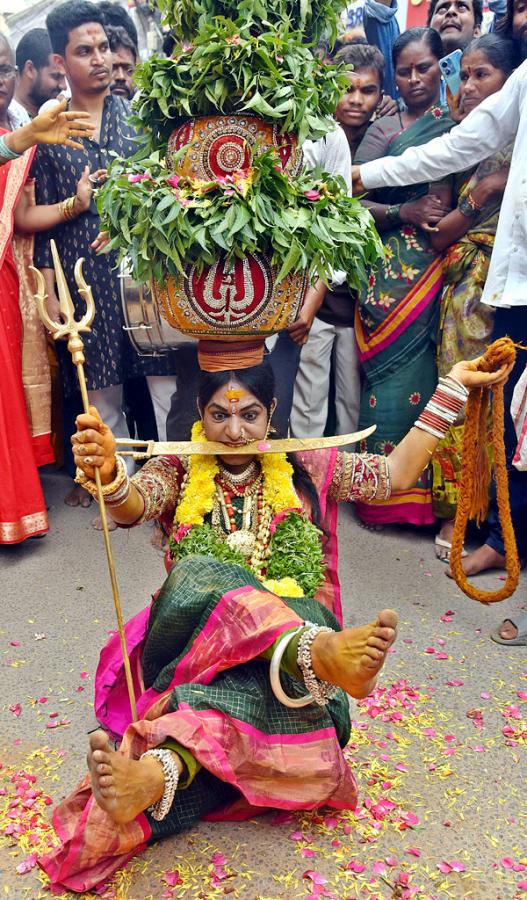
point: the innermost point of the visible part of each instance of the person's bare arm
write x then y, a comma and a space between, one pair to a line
94, 447
299, 330
412, 455
30, 217
424, 213
456, 224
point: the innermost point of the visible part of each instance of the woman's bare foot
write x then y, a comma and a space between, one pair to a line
78, 497
508, 630
121, 786
353, 658
485, 557
97, 523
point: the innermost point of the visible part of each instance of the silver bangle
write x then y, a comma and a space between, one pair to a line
321, 691
274, 674
463, 392
160, 810
5, 151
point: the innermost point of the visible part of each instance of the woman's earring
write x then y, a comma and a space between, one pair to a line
270, 427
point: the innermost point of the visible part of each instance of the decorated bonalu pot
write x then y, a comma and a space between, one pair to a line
219, 145
231, 307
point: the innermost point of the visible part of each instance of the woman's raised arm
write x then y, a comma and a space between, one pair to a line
412, 454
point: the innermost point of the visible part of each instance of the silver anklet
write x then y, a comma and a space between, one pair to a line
274, 674
321, 691
160, 810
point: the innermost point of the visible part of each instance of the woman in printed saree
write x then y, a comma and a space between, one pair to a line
466, 235
241, 665
22, 507
396, 317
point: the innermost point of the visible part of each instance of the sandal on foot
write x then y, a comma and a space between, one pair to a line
521, 638
443, 549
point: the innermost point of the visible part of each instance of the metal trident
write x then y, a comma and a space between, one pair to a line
70, 328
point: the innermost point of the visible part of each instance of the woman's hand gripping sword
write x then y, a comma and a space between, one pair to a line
70, 328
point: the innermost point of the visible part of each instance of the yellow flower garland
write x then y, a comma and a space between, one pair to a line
198, 495
279, 495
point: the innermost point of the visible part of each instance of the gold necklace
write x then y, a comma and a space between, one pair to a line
238, 481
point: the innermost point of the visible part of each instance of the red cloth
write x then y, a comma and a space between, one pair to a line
22, 506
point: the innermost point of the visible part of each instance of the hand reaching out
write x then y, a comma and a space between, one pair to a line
57, 125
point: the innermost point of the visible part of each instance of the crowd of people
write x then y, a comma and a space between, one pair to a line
353, 358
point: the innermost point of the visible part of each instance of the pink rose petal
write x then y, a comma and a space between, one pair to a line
444, 867
316, 877
355, 866
457, 866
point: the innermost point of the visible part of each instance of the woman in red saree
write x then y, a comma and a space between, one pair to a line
22, 506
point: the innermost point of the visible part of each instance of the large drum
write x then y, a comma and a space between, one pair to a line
149, 331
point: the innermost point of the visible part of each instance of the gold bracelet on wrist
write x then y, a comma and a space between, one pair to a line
67, 208
114, 493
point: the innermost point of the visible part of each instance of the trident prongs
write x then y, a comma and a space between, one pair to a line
68, 325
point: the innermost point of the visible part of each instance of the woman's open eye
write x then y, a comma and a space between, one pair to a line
250, 416
218, 416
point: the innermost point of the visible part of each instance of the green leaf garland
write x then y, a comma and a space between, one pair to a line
294, 551
164, 223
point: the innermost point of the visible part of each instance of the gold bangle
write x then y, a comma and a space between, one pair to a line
108, 490
67, 208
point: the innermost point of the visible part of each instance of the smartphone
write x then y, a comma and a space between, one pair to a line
450, 66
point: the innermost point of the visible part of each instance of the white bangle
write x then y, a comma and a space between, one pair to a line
5, 151
274, 674
160, 810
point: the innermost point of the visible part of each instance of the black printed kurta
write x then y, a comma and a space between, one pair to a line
110, 357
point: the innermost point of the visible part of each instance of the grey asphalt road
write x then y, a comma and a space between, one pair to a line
439, 750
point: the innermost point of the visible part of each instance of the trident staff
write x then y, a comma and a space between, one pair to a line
71, 329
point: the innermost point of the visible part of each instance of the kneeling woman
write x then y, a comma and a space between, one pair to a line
240, 664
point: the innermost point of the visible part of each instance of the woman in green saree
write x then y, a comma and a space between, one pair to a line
466, 236
396, 319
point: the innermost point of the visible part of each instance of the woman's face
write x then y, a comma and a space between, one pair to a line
7, 78
418, 76
235, 416
479, 79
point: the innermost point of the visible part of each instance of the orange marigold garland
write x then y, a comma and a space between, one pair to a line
475, 476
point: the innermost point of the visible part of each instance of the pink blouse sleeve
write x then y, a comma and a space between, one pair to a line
360, 476
159, 483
